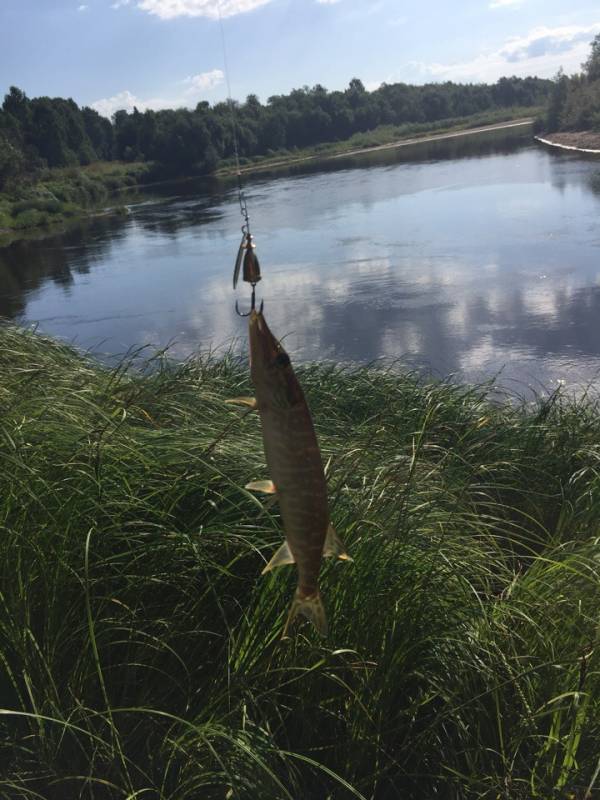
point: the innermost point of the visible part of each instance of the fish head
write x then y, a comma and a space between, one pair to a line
272, 373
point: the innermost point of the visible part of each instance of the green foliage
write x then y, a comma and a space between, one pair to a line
55, 132
592, 65
382, 135
59, 195
139, 645
11, 159
6, 220
582, 105
574, 103
31, 218
558, 100
49, 204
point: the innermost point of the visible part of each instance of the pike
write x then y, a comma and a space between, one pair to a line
296, 468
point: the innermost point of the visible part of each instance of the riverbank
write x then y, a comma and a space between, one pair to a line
62, 196
389, 138
139, 645
581, 141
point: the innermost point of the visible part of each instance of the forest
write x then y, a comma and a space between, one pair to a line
37, 133
574, 103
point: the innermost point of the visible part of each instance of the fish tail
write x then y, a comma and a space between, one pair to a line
310, 607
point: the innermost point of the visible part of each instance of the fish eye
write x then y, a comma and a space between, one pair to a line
282, 360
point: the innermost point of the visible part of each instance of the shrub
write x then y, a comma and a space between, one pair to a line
31, 219
51, 205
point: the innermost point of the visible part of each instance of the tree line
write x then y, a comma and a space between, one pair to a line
53, 132
574, 103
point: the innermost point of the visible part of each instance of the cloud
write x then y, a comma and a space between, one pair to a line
196, 87
205, 81
541, 52
108, 105
505, 3
82, 7
170, 9
328, 2
120, 3
546, 41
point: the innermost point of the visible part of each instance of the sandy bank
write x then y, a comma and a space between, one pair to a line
580, 141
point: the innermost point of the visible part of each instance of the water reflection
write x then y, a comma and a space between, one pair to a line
28, 266
463, 257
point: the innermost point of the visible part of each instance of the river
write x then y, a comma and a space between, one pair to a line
473, 258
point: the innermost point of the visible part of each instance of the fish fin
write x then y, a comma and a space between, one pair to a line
311, 608
243, 401
282, 557
334, 547
264, 487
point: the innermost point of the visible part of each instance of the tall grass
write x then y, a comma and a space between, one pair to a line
139, 646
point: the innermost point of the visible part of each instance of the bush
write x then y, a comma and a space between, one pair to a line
51, 205
31, 219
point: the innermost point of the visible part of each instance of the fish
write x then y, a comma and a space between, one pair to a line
297, 478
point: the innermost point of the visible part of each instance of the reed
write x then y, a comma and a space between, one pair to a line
139, 646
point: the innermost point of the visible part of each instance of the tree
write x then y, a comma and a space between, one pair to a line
100, 133
558, 99
272, 132
17, 104
11, 158
592, 65
56, 132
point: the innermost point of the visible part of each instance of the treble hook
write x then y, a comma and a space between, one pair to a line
252, 304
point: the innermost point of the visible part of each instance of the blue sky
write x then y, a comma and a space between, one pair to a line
163, 53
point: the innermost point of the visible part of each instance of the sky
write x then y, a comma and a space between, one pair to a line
113, 54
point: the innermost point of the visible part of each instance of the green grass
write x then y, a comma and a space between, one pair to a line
139, 646
60, 195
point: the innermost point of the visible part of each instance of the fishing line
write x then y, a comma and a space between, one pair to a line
234, 127
246, 255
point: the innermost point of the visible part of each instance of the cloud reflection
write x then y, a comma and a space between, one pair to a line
468, 266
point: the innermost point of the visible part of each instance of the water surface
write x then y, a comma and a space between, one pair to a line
471, 257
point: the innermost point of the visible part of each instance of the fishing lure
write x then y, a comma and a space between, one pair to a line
246, 254
247, 258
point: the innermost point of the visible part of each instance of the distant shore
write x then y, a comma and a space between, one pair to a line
451, 133
580, 141
66, 196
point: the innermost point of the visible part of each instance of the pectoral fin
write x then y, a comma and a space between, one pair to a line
282, 557
264, 487
334, 547
243, 401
